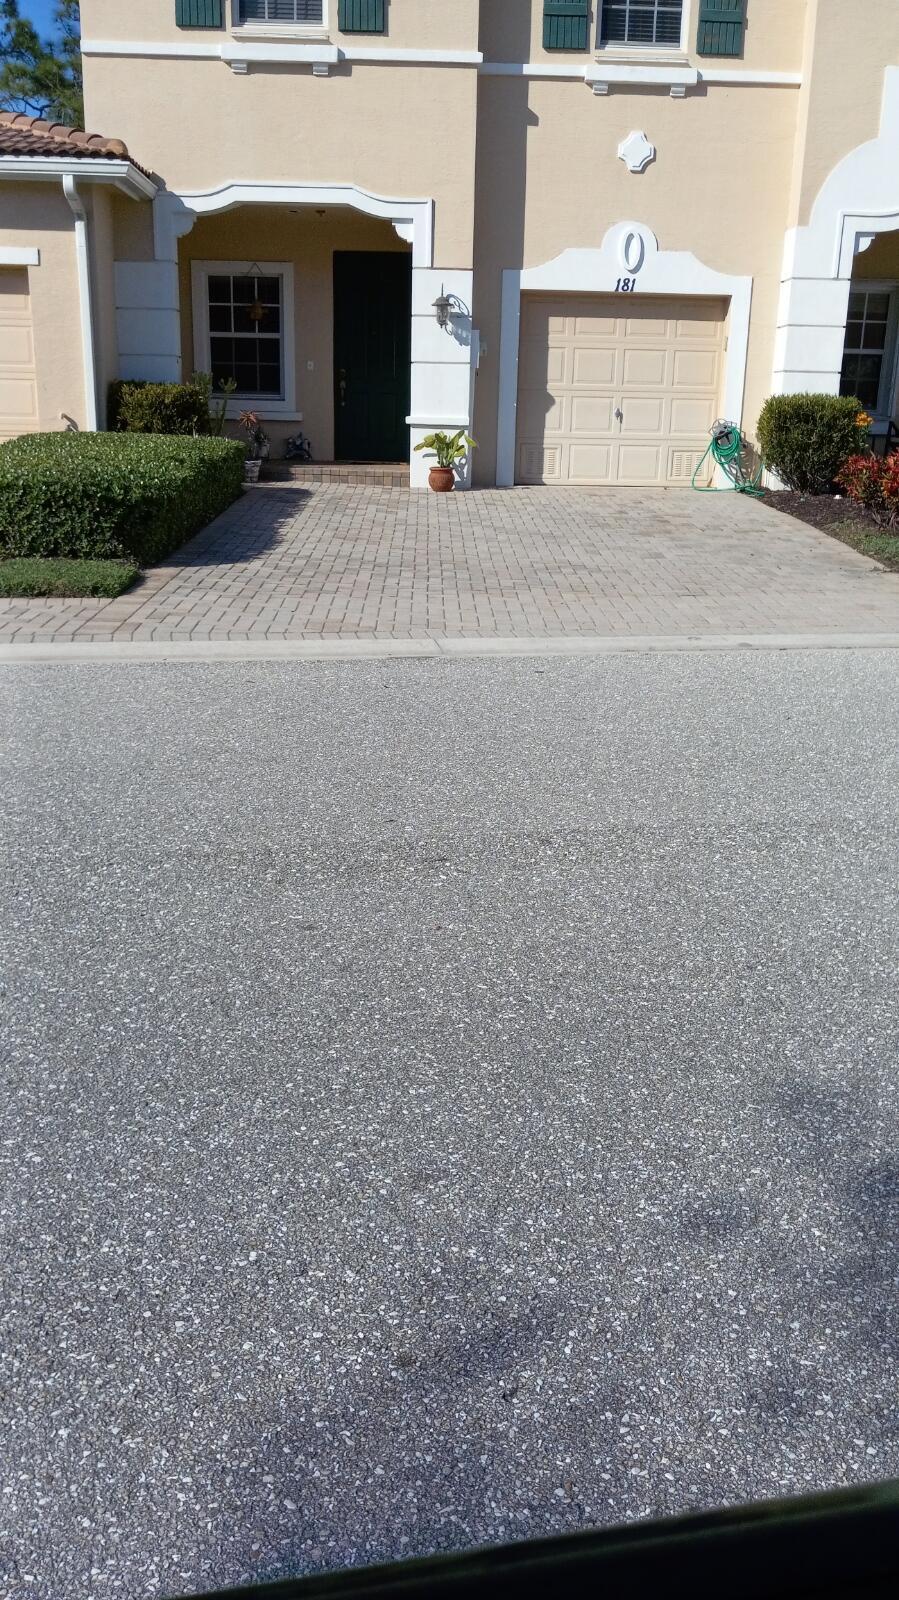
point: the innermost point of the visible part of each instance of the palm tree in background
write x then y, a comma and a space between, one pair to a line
42, 77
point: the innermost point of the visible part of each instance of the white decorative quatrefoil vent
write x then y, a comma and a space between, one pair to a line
636, 152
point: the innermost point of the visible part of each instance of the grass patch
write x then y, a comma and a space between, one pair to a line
882, 547
27, 576
841, 519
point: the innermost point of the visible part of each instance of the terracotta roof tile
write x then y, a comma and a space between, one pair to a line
21, 135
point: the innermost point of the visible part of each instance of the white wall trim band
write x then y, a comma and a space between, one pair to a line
19, 256
638, 74
631, 250
236, 48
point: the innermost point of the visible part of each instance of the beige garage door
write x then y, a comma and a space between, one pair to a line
18, 380
617, 390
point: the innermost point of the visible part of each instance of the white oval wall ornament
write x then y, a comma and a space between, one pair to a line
636, 152
632, 251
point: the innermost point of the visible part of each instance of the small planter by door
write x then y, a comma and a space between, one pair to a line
442, 479
251, 471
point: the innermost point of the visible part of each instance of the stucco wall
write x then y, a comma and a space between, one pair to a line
512, 30
411, 24
267, 233
281, 125
37, 214
847, 48
526, 216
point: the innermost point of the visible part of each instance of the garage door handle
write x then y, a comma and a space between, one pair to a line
619, 415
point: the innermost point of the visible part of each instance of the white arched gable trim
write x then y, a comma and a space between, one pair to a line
859, 200
629, 251
412, 219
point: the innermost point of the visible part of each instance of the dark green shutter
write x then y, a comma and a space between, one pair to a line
721, 25
200, 13
566, 24
362, 16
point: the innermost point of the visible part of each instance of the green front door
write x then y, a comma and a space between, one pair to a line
372, 353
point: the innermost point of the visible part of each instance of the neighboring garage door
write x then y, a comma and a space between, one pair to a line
617, 391
18, 379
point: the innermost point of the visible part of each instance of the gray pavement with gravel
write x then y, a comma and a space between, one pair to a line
442, 1102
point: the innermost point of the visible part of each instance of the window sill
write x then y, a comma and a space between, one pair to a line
641, 55
276, 31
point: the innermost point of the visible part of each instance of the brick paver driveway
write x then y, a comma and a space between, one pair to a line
348, 562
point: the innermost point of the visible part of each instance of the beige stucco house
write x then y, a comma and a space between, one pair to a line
582, 228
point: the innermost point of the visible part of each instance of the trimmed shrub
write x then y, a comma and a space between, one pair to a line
807, 438
874, 483
179, 408
108, 496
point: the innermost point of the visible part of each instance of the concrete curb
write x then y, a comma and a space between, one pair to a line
431, 649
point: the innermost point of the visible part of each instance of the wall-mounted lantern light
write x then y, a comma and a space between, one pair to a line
443, 305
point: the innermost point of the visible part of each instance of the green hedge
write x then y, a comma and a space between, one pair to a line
112, 496
179, 408
807, 438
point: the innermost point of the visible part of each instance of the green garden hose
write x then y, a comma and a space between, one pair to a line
728, 451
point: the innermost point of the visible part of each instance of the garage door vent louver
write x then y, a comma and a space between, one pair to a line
566, 24
722, 24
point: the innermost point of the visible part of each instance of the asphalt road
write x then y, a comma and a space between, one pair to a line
441, 1103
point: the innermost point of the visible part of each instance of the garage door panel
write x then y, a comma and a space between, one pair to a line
18, 377
696, 369
692, 415
18, 346
596, 325
646, 367
640, 463
18, 399
556, 412
704, 324
590, 463
591, 413
595, 368
658, 361
643, 415
646, 327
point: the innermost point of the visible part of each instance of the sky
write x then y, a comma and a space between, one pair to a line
40, 12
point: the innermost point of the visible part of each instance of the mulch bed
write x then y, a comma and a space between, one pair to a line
843, 519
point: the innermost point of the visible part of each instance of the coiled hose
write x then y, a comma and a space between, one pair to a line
728, 451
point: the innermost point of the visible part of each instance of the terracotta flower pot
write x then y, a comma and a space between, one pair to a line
442, 479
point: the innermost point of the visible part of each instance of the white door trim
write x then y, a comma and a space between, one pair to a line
629, 254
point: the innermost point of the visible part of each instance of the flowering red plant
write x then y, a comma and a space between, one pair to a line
874, 483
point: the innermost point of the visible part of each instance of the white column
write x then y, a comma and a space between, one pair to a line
148, 302
88, 344
442, 360
811, 333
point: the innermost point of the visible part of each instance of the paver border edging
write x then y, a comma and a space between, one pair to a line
434, 648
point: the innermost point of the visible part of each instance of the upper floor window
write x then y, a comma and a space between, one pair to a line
649, 22
280, 11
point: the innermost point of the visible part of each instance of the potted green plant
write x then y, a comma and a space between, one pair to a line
258, 447
451, 451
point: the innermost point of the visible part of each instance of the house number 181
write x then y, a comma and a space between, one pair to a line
625, 285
